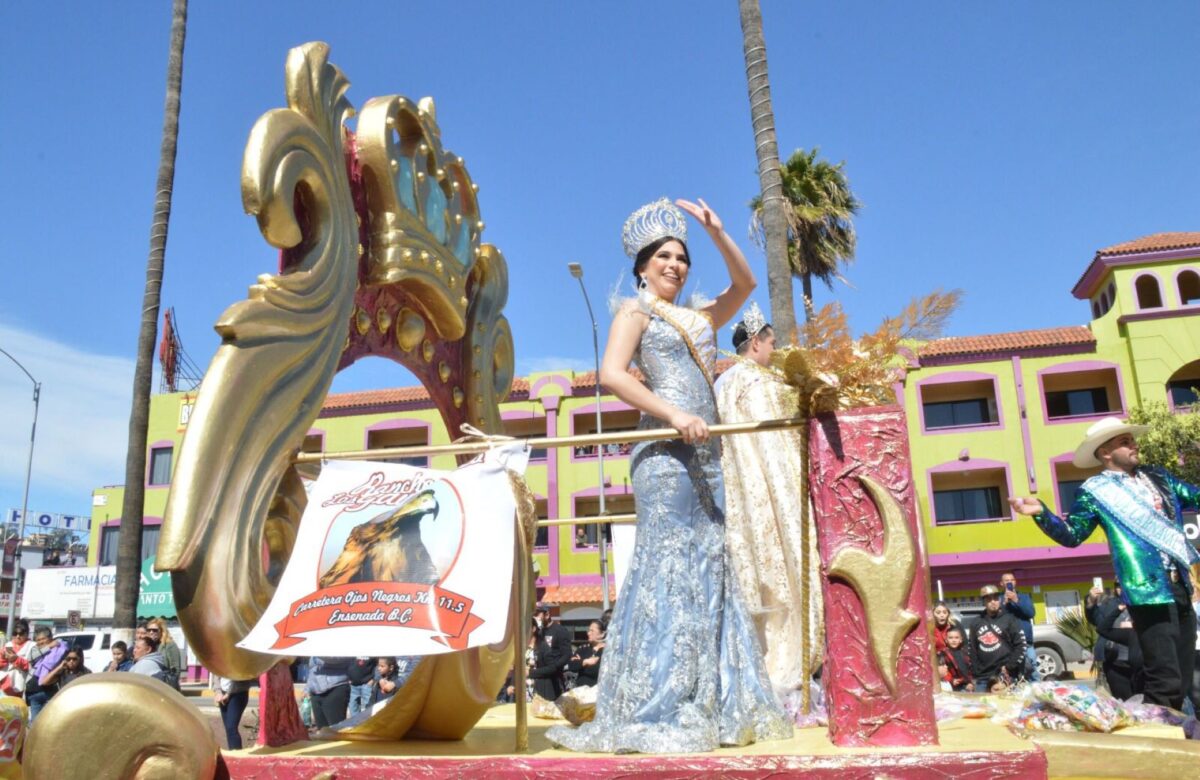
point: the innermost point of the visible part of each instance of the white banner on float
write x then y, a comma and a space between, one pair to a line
624, 536
398, 560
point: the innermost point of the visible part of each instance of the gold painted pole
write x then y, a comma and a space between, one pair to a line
614, 519
521, 617
619, 437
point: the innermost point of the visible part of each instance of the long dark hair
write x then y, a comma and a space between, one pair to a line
648, 251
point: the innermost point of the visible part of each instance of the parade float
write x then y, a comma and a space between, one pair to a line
379, 230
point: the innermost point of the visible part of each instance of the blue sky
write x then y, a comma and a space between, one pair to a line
995, 149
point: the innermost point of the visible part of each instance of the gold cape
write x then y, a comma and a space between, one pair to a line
772, 549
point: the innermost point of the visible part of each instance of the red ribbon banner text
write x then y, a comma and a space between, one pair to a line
396, 604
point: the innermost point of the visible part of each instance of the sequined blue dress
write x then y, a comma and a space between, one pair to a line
682, 669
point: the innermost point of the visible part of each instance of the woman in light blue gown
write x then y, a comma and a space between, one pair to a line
682, 669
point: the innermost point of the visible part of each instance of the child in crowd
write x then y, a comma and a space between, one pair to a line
954, 665
388, 679
121, 659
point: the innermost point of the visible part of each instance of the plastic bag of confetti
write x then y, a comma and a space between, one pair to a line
1041, 717
578, 705
951, 706
1144, 712
1096, 711
793, 705
546, 710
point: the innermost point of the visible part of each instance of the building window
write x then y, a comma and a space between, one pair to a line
973, 496
1087, 393
1184, 393
526, 428
959, 404
1189, 288
1074, 403
160, 465
951, 414
314, 442
1183, 388
400, 437
589, 506
110, 537
1067, 479
1066, 492
966, 505
108, 545
541, 538
1149, 294
612, 421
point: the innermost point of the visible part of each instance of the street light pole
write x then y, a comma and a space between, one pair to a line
577, 271
12, 596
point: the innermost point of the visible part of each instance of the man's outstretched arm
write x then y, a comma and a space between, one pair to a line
1069, 531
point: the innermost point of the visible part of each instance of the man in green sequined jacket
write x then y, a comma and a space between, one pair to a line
1140, 510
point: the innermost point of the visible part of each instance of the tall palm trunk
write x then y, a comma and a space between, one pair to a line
129, 547
762, 117
806, 287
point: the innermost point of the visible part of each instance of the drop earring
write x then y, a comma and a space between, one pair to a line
642, 284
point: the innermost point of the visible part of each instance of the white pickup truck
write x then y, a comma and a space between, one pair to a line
97, 645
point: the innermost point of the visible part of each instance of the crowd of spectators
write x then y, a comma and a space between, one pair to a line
995, 650
339, 688
992, 652
36, 668
51, 558
610, 450
1117, 650
554, 666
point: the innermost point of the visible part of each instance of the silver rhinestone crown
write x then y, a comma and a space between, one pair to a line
753, 319
651, 222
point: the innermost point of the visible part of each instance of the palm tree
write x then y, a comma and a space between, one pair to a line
774, 217
129, 543
820, 225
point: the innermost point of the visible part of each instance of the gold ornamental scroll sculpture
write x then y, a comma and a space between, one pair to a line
379, 233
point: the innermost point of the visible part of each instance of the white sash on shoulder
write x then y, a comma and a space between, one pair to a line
1130, 509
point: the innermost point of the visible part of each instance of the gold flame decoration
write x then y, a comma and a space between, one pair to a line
423, 291
883, 582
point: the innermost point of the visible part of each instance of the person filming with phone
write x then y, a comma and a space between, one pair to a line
1020, 606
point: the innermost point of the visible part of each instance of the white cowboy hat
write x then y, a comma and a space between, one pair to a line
1097, 434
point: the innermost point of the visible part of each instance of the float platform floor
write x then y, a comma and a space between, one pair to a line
971, 749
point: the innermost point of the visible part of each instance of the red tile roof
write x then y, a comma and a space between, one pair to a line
398, 395
1017, 341
1128, 252
576, 594
1155, 242
588, 379
364, 399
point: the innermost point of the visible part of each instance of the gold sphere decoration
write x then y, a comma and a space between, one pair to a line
410, 330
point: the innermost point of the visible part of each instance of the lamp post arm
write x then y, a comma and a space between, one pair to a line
602, 532
596, 356
12, 596
36, 384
